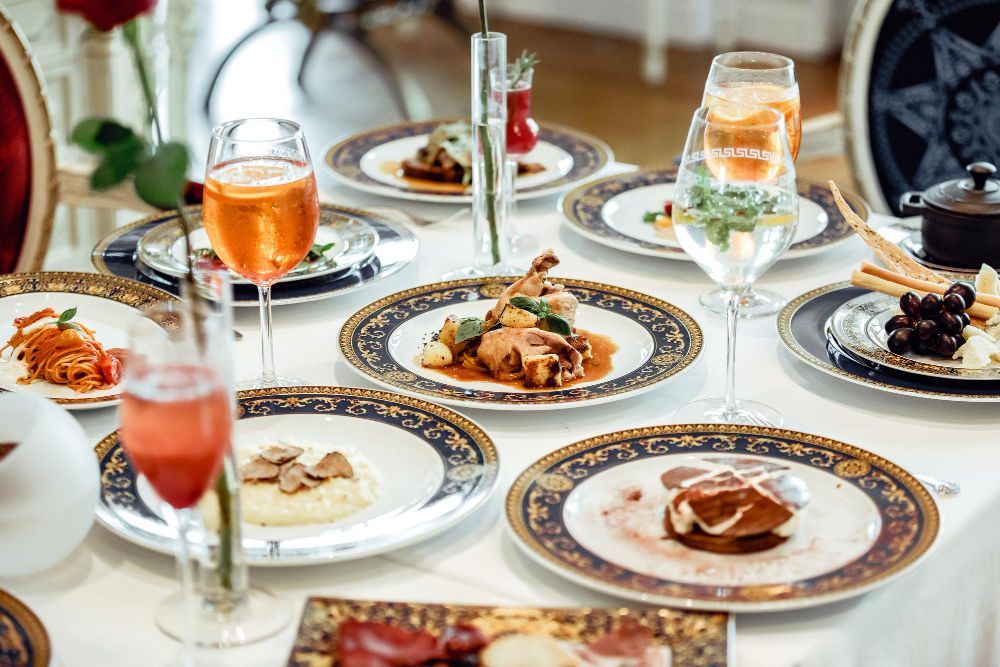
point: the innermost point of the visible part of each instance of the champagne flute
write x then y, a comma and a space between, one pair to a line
261, 212
176, 429
756, 78
735, 211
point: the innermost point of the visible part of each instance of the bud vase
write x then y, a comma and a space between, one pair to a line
490, 198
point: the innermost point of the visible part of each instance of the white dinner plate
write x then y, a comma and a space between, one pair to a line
593, 512
434, 468
384, 340
105, 304
610, 211
370, 160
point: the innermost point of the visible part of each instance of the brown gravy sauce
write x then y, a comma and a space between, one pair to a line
393, 168
593, 369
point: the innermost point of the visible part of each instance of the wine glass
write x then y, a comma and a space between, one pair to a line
261, 212
177, 417
767, 79
735, 211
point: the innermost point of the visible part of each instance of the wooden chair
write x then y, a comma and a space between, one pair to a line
919, 93
31, 180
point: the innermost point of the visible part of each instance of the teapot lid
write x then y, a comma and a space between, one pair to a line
976, 196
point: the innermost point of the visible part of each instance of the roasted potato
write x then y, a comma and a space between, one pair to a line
447, 336
542, 370
517, 318
436, 355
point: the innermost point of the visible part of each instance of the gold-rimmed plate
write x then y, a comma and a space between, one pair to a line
655, 342
103, 303
23, 639
611, 211
859, 326
593, 512
693, 639
804, 329
369, 161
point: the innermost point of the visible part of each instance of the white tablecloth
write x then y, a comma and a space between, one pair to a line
98, 605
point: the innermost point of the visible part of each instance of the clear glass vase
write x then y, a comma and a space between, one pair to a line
491, 196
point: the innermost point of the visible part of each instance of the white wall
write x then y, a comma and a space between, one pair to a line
803, 28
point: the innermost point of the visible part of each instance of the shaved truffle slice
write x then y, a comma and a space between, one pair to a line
293, 477
333, 464
280, 454
260, 469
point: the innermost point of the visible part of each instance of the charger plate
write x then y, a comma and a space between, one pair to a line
23, 639
695, 639
435, 466
368, 161
656, 341
610, 211
804, 329
593, 513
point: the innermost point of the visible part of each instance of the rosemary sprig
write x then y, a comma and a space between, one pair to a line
524, 64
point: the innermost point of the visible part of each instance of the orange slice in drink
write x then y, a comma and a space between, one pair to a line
742, 143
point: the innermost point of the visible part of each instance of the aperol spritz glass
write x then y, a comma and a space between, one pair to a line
758, 79
261, 212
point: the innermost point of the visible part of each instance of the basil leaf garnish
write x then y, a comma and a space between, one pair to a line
468, 327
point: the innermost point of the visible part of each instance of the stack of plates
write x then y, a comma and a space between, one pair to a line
839, 329
365, 248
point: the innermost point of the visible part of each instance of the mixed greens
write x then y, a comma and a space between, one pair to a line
726, 209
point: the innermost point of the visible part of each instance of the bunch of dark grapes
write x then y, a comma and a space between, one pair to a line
931, 325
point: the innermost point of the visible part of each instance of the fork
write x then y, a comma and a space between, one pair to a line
942, 487
416, 219
757, 420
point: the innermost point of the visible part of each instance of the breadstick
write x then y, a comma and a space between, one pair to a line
874, 283
923, 285
888, 253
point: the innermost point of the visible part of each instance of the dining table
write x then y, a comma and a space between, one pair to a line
98, 605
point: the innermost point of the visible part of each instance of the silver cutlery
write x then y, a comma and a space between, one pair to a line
416, 219
942, 487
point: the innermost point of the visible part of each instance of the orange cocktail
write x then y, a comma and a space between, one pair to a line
176, 427
261, 215
782, 98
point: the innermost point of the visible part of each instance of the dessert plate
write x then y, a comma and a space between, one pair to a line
859, 327
434, 465
369, 161
610, 211
106, 304
383, 341
593, 512
353, 243
23, 639
694, 639
395, 247
804, 329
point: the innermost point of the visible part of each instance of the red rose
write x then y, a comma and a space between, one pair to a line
106, 14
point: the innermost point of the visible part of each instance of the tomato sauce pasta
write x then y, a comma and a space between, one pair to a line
56, 350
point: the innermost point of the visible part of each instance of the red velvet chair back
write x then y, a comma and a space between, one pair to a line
27, 158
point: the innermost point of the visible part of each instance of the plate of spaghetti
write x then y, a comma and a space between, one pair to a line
62, 335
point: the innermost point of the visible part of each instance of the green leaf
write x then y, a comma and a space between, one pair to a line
96, 135
536, 307
67, 315
316, 251
160, 178
651, 216
469, 327
62, 326
557, 324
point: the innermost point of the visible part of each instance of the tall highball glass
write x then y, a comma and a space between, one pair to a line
735, 212
261, 212
758, 78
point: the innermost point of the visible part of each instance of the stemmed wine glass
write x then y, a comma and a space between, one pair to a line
735, 211
261, 212
757, 78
